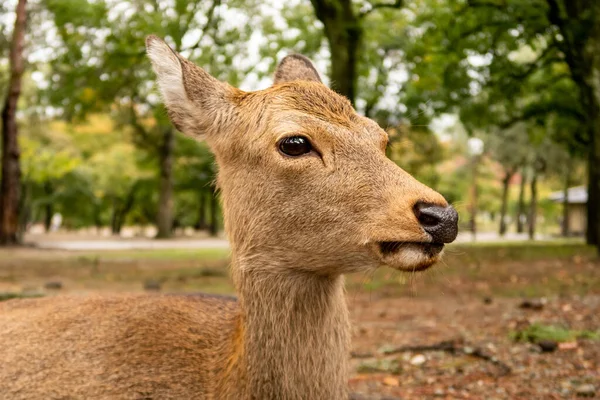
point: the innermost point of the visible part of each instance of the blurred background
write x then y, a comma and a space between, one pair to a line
494, 103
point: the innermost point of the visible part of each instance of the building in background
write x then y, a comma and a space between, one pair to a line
577, 202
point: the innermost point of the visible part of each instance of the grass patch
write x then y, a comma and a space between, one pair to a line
159, 255
535, 333
389, 366
518, 269
12, 295
517, 251
523, 269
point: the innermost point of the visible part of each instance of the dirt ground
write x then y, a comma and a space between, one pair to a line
470, 325
449, 333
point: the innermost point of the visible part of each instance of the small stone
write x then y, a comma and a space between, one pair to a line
586, 390
547, 346
419, 359
53, 285
152, 285
533, 304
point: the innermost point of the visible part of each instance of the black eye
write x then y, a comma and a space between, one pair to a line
295, 146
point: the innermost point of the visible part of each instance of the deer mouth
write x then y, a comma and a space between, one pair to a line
409, 256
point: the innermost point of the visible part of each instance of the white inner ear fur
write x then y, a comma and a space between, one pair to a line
168, 70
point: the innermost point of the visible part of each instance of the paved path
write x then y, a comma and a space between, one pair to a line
465, 237
182, 243
125, 244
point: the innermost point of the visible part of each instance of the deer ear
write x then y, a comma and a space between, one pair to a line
296, 67
195, 101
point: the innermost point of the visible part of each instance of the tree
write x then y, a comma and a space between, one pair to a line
110, 72
578, 24
509, 147
47, 157
11, 172
477, 46
418, 150
521, 203
343, 28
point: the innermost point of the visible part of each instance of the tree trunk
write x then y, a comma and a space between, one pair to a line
565, 223
521, 205
533, 206
474, 197
164, 220
48, 207
579, 24
201, 221
25, 211
123, 210
114, 220
11, 170
344, 33
593, 205
214, 214
504, 206
97, 219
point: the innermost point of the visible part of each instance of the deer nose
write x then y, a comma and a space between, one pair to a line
440, 222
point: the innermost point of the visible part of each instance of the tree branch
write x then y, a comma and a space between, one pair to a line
542, 110
473, 3
451, 347
395, 5
555, 79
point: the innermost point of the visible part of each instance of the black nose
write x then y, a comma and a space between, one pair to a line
440, 222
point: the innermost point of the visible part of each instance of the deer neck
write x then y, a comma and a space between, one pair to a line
295, 333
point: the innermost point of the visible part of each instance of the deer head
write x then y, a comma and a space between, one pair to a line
304, 178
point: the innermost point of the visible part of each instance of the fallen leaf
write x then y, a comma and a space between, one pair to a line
566, 308
391, 381
567, 345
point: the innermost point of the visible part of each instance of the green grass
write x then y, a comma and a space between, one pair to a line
512, 269
390, 366
524, 243
152, 254
519, 251
535, 333
12, 295
519, 269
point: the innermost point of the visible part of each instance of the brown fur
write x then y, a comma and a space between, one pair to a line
295, 225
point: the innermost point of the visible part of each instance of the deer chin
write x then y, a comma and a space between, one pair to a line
409, 256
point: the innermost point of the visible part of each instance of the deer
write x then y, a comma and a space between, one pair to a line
308, 196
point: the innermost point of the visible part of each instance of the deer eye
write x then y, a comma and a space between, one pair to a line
295, 146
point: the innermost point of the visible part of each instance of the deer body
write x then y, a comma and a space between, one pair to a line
176, 347
308, 195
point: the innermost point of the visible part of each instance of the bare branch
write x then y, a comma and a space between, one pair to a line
452, 347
